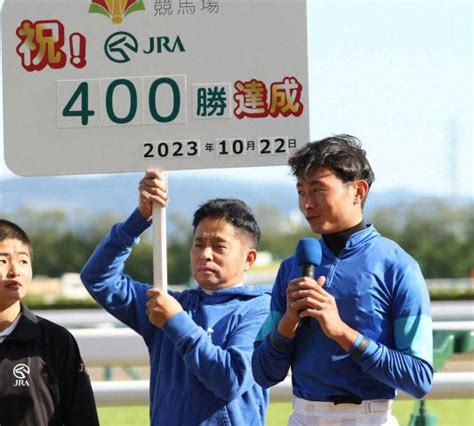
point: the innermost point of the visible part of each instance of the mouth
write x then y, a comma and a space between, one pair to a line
206, 270
13, 285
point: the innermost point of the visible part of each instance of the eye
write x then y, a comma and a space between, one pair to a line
3, 261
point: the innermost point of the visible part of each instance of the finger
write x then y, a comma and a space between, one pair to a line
156, 176
153, 292
292, 287
291, 290
320, 281
310, 312
304, 303
318, 302
316, 286
154, 183
151, 197
306, 282
310, 293
148, 188
296, 281
153, 173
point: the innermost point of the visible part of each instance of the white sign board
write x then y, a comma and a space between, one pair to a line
107, 86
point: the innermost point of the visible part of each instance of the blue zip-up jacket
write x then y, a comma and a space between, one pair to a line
200, 361
380, 292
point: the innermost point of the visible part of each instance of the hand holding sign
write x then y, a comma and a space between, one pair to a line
161, 307
152, 189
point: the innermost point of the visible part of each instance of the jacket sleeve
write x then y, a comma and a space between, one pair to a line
408, 366
104, 279
273, 352
76, 397
225, 371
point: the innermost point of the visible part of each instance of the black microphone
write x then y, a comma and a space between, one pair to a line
308, 256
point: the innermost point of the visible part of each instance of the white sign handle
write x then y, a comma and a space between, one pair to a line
160, 264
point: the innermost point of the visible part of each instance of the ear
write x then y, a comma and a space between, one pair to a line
250, 259
361, 190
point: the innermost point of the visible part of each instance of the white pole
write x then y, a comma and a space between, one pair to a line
160, 269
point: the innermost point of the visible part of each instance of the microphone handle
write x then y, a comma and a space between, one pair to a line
307, 270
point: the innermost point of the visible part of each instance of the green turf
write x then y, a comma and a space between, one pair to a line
458, 412
123, 416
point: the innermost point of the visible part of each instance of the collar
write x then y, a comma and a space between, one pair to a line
337, 241
210, 292
9, 329
355, 241
27, 328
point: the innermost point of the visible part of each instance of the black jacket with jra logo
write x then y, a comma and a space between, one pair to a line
43, 380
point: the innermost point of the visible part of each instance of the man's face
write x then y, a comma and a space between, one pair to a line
328, 204
219, 255
15, 271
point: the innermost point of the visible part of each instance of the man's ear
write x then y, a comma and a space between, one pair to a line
361, 190
251, 256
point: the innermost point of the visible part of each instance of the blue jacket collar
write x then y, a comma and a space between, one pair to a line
354, 243
248, 291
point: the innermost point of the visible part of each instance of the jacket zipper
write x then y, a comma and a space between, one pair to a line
332, 271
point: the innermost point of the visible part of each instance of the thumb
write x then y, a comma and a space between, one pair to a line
152, 292
320, 281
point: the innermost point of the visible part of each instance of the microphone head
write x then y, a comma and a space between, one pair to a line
308, 251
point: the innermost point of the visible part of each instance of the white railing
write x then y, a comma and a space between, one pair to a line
111, 346
124, 347
71, 318
135, 392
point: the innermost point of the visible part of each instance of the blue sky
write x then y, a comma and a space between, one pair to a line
398, 75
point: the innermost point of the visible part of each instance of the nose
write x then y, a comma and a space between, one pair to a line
206, 253
13, 270
306, 202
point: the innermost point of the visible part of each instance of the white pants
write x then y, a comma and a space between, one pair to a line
316, 413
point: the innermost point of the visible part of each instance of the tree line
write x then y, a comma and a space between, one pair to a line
438, 234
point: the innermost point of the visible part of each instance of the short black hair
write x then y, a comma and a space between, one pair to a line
11, 231
234, 212
342, 154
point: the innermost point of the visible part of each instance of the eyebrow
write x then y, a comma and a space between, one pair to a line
213, 239
24, 253
312, 182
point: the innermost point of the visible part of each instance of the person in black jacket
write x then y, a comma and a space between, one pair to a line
43, 380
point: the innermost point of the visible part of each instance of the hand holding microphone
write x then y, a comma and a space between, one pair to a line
308, 256
319, 303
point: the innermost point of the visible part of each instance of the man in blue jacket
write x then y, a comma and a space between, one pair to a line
370, 329
200, 341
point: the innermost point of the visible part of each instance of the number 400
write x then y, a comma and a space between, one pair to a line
81, 96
